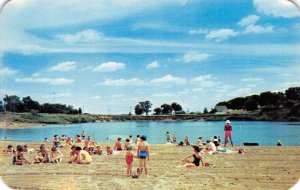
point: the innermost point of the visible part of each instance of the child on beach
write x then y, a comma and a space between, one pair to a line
91, 150
88, 142
55, 155
19, 159
42, 155
174, 138
129, 160
187, 141
127, 143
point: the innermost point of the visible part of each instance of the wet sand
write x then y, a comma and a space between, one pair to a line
259, 168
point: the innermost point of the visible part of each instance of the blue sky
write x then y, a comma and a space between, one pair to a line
109, 55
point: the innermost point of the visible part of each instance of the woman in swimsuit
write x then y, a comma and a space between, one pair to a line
228, 133
143, 154
18, 159
197, 159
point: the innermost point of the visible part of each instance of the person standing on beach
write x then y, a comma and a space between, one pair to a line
143, 154
129, 159
228, 133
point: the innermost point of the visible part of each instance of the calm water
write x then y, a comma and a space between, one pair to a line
265, 133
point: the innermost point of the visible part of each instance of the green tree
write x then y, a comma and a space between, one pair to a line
269, 99
138, 109
1, 106
166, 109
251, 105
12, 103
237, 103
157, 111
146, 106
79, 111
176, 107
293, 93
205, 111
30, 104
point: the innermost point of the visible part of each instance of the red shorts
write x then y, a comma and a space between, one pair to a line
228, 133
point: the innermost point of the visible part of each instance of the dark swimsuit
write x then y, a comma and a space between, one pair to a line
196, 160
20, 157
143, 154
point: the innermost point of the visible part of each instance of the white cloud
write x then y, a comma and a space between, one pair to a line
123, 82
52, 81
7, 71
64, 66
239, 92
153, 65
251, 80
204, 81
195, 57
168, 79
109, 67
258, 29
198, 31
277, 8
85, 36
220, 35
60, 95
249, 20
96, 97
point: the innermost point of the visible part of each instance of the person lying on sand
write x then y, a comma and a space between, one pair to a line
19, 159
197, 159
83, 157
42, 155
211, 147
27, 150
55, 155
9, 150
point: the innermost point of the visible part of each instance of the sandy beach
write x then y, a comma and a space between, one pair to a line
12, 125
259, 168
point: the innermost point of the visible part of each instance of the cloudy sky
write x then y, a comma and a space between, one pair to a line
108, 55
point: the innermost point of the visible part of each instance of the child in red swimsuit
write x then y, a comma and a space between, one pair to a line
129, 159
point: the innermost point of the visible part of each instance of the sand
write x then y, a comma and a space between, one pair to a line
259, 168
11, 125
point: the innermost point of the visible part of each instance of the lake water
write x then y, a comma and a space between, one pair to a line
264, 133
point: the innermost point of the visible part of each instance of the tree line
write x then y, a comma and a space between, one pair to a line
13, 103
264, 99
164, 109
